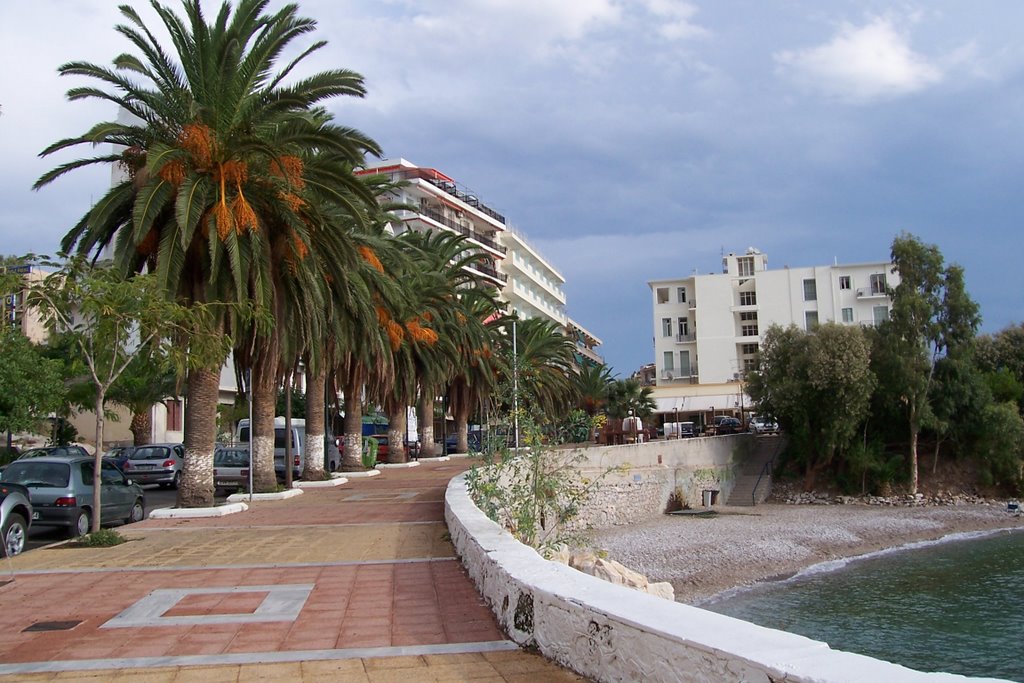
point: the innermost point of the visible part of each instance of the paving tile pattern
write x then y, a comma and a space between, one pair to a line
375, 551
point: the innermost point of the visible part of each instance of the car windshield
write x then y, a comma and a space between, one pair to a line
231, 458
34, 473
150, 453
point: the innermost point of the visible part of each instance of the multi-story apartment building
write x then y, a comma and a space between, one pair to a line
708, 328
534, 288
439, 203
527, 282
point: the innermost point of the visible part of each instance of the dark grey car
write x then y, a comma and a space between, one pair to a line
61, 489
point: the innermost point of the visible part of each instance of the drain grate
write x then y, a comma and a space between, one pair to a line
52, 626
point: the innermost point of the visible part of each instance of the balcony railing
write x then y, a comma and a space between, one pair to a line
871, 293
491, 272
446, 184
681, 338
449, 223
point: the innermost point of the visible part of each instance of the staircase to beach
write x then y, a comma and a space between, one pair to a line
754, 482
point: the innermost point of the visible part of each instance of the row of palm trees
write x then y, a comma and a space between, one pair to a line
241, 193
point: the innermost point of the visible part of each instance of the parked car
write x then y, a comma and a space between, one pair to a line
687, 430
118, 455
474, 440
763, 425
412, 448
727, 425
231, 468
61, 491
15, 517
156, 463
66, 450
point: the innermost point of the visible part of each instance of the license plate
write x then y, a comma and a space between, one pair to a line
225, 483
144, 467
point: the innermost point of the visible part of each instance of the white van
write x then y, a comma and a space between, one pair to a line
332, 457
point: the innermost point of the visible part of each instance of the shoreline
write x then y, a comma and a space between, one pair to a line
705, 558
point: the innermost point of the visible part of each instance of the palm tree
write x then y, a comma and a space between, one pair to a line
544, 366
592, 388
476, 331
215, 156
625, 395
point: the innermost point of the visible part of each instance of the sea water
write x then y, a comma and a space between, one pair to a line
955, 606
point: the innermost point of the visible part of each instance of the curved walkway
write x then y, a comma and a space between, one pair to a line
355, 583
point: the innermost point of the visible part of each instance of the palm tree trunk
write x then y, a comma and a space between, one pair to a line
313, 468
264, 404
142, 426
397, 425
425, 415
196, 486
351, 459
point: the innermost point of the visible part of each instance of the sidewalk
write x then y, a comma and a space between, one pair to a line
353, 583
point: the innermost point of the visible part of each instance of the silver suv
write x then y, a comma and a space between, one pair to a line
156, 463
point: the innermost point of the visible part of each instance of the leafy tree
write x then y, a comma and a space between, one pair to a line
818, 385
931, 316
31, 385
110, 319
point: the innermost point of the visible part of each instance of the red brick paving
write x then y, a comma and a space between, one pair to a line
350, 606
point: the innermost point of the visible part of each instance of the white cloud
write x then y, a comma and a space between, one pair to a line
675, 17
861, 64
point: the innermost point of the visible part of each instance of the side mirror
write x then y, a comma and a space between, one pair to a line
128, 482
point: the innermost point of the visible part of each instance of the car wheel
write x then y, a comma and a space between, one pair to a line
15, 534
81, 526
177, 480
137, 514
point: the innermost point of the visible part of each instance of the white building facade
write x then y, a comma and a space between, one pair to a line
708, 328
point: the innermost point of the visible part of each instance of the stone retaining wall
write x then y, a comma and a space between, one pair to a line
653, 473
611, 633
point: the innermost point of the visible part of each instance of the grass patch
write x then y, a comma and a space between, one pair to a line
104, 538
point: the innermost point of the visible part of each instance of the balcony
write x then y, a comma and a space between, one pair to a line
489, 271
444, 183
679, 375
437, 217
684, 338
872, 293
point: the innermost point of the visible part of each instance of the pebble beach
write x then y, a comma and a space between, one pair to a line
704, 555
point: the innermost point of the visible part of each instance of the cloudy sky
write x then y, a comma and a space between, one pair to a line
634, 139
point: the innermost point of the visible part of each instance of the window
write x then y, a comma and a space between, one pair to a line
669, 361
684, 364
847, 315
748, 349
878, 284
662, 295
880, 314
684, 327
666, 327
681, 294
810, 319
748, 316
810, 290
749, 330
173, 415
749, 364
748, 298
745, 264
844, 282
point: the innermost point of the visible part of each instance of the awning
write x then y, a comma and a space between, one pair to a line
697, 404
